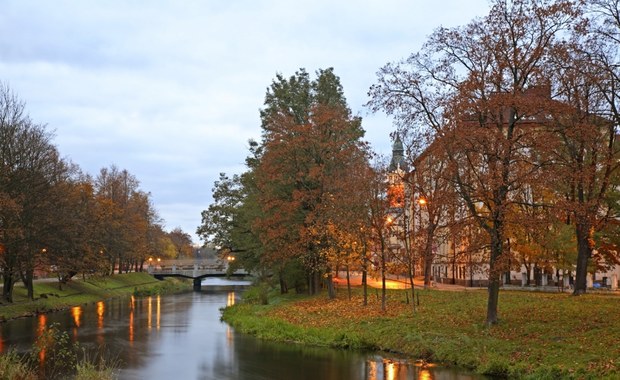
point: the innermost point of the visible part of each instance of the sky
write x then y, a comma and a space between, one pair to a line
171, 90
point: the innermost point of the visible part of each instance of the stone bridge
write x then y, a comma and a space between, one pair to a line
197, 270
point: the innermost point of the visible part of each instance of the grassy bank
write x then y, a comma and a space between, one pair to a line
49, 297
540, 335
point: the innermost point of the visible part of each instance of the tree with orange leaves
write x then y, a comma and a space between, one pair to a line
310, 142
469, 89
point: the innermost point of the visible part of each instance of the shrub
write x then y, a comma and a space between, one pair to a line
54, 353
12, 366
89, 371
257, 294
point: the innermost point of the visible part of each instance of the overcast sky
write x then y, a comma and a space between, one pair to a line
171, 90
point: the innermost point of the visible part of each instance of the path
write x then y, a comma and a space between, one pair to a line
394, 282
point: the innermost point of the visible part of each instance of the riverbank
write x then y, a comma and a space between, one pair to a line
49, 298
540, 335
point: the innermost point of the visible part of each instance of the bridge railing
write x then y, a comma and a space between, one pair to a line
195, 270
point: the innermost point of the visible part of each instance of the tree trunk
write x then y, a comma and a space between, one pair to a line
314, 282
428, 260
494, 274
383, 290
283, 284
331, 291
8, 282
27, 279
365, 283
454, 264
584, 252
348, 283
493, 301
411, 270
528, 271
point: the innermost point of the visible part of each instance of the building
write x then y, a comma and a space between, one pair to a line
457, 254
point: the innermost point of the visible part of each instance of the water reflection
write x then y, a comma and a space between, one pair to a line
100, 313
76, 313
40, 331
425, 374
394, 369
130, 327
42, 318
182, 336
158, 314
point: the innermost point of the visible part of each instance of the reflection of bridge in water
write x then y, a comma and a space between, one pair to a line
197, 270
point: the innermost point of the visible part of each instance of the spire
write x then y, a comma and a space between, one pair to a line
398, 156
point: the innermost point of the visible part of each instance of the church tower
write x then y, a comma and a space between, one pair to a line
396, 174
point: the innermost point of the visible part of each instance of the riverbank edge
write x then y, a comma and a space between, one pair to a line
49, 299
252, 319
271, 322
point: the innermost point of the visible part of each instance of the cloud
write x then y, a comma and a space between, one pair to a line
171, 90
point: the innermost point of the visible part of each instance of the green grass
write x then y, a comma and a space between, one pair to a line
539, 335
14, 367
49, 297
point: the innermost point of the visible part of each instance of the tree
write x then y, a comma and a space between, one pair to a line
432, 195
470, 89
586, 78
126, 218
30, 168
228, 223
70, 227
380, 224
182, 242
309, 139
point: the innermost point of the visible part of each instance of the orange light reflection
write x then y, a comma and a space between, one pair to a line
149, 316
76, 313
229, 335
100, 311
40, 331
390, 370
131, 327
158, 316
425, 374
372, 372
230, 301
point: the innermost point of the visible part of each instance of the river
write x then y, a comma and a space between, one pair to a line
181, 337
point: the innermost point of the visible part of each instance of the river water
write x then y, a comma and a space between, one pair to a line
181, 337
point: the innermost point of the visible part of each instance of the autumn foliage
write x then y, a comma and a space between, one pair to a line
520, 108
